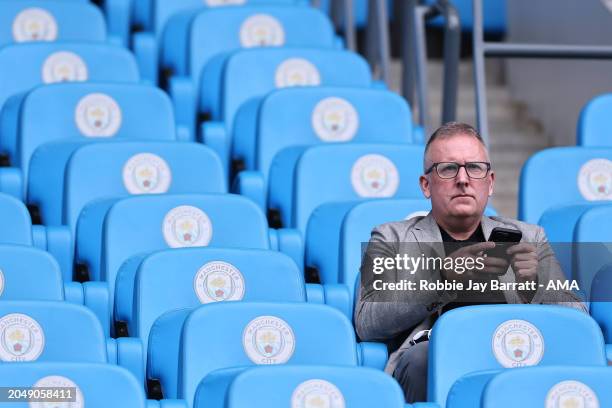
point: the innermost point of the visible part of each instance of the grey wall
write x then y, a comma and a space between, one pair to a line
556, 90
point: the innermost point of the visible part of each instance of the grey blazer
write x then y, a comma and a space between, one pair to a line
390, 321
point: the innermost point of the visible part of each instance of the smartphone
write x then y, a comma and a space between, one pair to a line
504, 238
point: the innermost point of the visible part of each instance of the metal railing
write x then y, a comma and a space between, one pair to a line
483, 49
413, 18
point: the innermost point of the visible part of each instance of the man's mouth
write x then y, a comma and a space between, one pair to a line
463, 196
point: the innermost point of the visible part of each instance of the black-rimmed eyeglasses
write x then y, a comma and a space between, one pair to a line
449, 170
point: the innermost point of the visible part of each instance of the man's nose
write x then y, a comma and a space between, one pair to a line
462, 176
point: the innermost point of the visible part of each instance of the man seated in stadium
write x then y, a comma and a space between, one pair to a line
459, 181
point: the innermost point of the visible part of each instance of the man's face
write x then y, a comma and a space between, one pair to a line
462, 196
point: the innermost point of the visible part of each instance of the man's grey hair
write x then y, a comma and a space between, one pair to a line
451, 129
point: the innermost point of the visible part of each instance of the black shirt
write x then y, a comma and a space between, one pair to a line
464, 298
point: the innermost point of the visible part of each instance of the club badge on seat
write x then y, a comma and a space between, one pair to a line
21, 338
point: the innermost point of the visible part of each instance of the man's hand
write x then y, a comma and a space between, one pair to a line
524, 261
492, 266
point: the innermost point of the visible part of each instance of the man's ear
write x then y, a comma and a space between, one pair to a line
424, 183
492, 184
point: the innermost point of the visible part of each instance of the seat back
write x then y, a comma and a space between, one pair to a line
45, 63
153, 14
283, 386
359, 223
255, 72
593, 244
15, 220
352, 172
142, 224
35, 20
87, 112
310, 116
560, 386
50, 331
121, 169
594, 125
508, 336
29, 274
247, 334
214, 31
186, 278
93, 383
601, 301
581, 174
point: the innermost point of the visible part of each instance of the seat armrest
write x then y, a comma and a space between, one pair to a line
130, 356
145, 51
118, 19
96, 298
11, 182
251, 184
59, 244
373, 355
184, 99
215, 136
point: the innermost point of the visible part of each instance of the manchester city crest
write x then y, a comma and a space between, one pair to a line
297, 72
64, 66
56, 381
34, 24
518, 343
146, 173
187, 226
98, 115
218, 281
571, 394
261, 30
374, 175
268, 340
335, 120
21, 338
595, 180
317, 394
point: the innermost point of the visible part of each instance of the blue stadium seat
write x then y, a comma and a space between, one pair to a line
594, 125
241, 334
142, 224
147, 18
17, 225
209, 32
557, 386
601, 304
303, 179
593, 244
28, 273
51, 331
107, 170
559, 223
97, 385
336, 232
17, 229
188, 277
86, 112
505, 336
45, 63
230, 80
309, 116
282, 386
36, 20
564, 175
